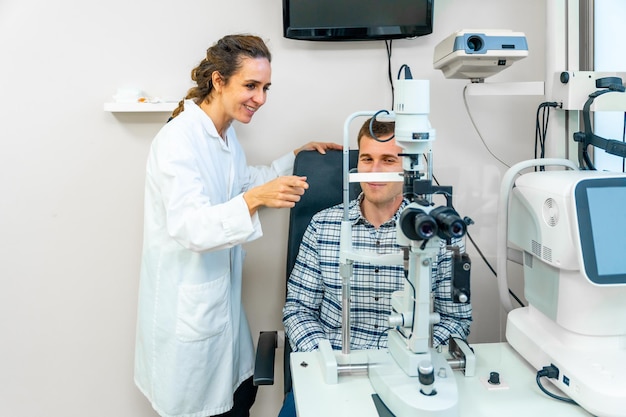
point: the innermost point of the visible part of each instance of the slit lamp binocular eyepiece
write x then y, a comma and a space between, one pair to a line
420, 224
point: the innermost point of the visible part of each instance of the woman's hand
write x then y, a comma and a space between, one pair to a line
321, 147
282, 192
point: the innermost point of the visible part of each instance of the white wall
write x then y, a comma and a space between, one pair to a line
72, 175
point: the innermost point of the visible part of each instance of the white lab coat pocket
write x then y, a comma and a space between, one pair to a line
203, 309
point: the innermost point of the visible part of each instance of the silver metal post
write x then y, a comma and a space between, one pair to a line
345, 314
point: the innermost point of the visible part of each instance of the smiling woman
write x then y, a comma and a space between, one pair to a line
194, 354
232, 81
238, 97
223, 60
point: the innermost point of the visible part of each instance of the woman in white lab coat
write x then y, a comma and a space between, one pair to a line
194, 351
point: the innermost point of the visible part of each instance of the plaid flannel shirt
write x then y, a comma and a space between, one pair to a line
313, 307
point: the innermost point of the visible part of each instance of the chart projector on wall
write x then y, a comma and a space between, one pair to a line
571, 228
478, 54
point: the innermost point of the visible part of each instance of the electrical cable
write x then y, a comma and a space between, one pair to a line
406, 277
542, 129
587, 159
380, 336
482, 256
551, 372
407, 72
400, 329
388, 45
476, 128
372, 134
515, 297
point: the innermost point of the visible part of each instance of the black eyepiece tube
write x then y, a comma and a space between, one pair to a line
449, 223
417, 225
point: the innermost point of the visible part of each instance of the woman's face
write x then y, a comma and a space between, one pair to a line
246, 90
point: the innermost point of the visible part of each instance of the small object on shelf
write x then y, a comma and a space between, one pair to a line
134, 100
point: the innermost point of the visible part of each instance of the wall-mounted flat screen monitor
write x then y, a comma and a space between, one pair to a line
356, 20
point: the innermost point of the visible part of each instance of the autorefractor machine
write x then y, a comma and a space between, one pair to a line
570, 228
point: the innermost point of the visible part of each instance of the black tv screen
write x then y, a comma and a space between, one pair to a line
354, 20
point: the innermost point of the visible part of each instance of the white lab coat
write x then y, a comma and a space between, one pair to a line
193, 346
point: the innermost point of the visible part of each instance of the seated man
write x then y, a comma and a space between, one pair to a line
313, 307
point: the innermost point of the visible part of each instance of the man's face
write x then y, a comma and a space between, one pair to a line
375, 156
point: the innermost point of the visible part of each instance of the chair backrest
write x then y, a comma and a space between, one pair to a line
324, 174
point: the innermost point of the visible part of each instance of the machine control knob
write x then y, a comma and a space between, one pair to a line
426, 376
494, 378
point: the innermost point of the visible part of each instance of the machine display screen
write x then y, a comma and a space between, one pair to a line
601, 207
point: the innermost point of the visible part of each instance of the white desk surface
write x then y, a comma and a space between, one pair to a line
351, 396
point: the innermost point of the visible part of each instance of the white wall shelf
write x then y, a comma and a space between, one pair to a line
165, 107
531, 88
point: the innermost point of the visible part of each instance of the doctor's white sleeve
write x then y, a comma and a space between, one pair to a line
197, 211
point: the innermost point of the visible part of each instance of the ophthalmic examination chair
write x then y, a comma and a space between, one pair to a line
325, 177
